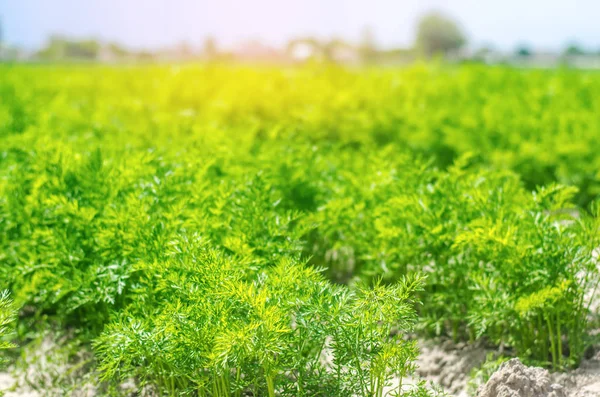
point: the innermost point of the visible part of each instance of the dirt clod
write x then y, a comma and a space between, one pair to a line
513, 379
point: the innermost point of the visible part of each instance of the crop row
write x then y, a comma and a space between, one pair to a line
542, 124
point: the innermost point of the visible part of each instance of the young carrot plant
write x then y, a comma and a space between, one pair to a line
502, 263
8, 314
205, 325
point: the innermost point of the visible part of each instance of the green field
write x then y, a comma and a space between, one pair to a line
216, 230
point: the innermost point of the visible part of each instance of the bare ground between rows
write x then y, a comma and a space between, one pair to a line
444, 363
449, 365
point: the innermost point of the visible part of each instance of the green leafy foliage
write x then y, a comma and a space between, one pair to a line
480, 375
8, 315
501, 262
208, 327
229, 230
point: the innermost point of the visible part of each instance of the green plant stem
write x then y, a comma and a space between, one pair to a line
552, 342
559, 337
270, 382
238, 374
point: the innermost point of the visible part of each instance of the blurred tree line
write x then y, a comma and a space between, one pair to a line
436, 35
59, 47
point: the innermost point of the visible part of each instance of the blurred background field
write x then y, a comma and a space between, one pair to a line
526, 34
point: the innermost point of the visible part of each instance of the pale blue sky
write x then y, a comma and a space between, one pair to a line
547, 24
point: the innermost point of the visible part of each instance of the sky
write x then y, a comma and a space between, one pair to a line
148, 24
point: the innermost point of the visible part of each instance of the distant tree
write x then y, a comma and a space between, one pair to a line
573, 49
84, 49
54, 48
523, 51
59, 48
437, 34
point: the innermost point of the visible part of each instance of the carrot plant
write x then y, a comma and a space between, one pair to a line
7, 318
207, 326
502, 263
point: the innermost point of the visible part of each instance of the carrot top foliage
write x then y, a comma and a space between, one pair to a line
7, 318
222, 231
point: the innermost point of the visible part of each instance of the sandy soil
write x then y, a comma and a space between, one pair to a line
582, 382
8, 383
513, 379
449, 365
